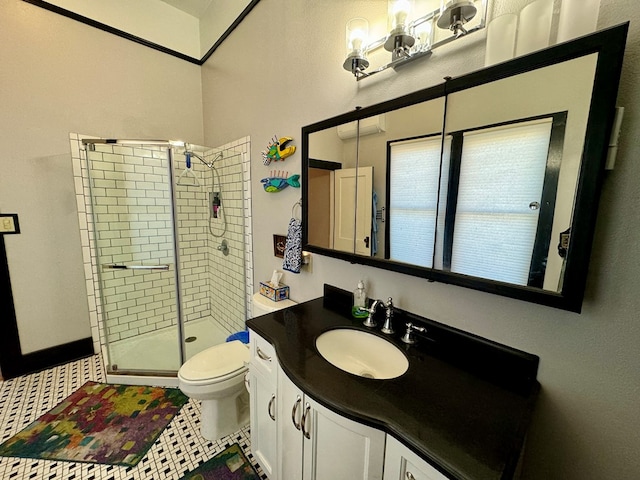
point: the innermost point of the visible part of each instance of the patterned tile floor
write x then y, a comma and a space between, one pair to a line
178, 450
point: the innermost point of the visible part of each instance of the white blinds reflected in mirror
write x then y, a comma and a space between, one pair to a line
414, 169
502, 173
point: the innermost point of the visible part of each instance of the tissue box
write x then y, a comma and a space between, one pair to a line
276, 294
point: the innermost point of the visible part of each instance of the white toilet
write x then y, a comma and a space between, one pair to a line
215, 376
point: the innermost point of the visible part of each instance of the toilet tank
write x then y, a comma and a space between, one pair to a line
261, 305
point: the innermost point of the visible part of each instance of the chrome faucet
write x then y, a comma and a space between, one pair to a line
372, 310
388, 327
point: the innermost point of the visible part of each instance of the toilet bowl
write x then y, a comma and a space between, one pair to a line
215, 376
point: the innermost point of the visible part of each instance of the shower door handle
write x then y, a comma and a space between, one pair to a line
116, 266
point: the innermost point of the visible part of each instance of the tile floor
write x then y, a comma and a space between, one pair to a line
179, 449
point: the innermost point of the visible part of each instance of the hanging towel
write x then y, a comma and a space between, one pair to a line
293, 247
374, 224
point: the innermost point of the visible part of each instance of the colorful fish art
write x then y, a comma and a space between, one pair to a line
280, 180
278, 150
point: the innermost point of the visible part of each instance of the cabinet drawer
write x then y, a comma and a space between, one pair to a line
263, 356
400, 463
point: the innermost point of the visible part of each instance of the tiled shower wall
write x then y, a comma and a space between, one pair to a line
227, 274
143, 301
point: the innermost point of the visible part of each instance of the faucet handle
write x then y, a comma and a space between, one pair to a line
408, 337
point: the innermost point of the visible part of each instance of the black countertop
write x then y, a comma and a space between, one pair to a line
464, 404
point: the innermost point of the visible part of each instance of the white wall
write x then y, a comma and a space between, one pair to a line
265, 81
155, 21
59, 76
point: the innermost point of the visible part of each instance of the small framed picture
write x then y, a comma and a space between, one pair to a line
279, 242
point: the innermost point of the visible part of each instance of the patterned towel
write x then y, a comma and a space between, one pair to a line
293, 248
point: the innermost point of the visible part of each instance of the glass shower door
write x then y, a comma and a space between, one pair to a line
131, 198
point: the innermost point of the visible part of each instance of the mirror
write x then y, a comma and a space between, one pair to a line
488, 181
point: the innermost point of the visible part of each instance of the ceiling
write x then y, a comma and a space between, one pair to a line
195, 8
188, 29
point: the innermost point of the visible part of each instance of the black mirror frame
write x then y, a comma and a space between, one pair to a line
609, 44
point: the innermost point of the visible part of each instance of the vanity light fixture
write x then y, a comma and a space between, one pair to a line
412, 32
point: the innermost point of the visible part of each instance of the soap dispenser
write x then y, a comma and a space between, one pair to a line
359, 301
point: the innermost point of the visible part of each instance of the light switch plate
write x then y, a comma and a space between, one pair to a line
9, 223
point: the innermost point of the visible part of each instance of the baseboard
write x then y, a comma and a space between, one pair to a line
49, 357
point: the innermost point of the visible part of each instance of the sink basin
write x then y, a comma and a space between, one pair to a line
362, 353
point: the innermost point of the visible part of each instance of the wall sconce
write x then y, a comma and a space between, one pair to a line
357, 37
400, 38
411, 32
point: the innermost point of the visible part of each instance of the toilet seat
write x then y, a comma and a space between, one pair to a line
216, 364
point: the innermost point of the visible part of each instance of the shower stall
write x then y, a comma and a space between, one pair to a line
168, 252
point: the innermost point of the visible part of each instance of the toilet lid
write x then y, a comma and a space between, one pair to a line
216, 361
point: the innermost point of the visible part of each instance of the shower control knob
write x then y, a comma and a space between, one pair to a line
224, 248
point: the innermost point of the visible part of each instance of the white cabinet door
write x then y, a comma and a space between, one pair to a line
263, 394
400, 463
263, 421
263, 355
338, 448
290, 409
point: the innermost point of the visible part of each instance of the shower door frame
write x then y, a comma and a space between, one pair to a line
140, 375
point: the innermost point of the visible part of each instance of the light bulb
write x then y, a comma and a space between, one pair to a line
357, 33
356, 39
422, 33
400, 12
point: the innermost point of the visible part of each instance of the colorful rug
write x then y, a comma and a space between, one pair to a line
230, 464
99, 423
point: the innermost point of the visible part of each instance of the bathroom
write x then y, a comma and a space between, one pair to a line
60, 76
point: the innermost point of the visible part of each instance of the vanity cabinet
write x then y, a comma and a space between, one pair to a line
460, 411
318, 444
293, 437
263, 368
400, 463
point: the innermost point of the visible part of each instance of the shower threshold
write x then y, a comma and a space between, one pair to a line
144, 359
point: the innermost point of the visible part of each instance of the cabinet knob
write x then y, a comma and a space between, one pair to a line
410, 476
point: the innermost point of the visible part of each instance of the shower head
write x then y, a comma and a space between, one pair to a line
188, 152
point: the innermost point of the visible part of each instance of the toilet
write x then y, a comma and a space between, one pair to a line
261, 305
216, 375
